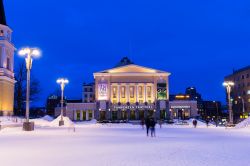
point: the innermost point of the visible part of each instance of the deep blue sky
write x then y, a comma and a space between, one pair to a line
198, 41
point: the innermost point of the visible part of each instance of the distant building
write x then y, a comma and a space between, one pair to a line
125, 92
186, 105
212, 110
7, 80
88, 93
241, 91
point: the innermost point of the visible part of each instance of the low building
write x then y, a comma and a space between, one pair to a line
88, 95
183, 109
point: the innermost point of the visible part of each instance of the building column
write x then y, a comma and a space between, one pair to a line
75, 115
119, 93
87, 115
127, 92
81, 113
145, 92
136, 87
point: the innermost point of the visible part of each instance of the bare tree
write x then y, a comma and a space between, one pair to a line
20, 89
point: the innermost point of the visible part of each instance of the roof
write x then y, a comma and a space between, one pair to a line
2, 14
124, 61
127, 67
239, 71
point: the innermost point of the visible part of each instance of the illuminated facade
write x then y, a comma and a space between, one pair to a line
131, 92
7, 80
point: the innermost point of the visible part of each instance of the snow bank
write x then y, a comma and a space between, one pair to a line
67, 122
244, 124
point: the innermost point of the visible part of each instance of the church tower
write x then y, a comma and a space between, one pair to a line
7, 80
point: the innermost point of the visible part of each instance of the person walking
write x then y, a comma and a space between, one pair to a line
207, 122
195, 123
152, 127
147, 122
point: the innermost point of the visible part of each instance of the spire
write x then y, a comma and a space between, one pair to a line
124, 62
2, 14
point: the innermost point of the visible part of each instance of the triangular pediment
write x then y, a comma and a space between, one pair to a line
132, 69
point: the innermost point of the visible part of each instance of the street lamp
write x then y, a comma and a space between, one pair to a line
28, 53
229, 85
243, 105
62, 82
217, 114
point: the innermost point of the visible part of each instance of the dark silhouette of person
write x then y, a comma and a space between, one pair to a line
195, 123
152, 127
147, 122
207, 122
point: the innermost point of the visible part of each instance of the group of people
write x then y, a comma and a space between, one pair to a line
150, 125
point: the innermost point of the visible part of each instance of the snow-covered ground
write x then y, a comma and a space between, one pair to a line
123, 145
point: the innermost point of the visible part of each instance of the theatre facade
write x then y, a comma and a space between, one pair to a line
125, 92
131, 92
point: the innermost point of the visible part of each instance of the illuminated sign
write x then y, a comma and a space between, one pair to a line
133, 107
162, 91
180, 107
102, 91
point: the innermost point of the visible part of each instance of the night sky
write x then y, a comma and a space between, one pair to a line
198, 41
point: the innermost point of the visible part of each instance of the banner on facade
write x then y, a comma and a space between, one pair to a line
102, 91
162, 91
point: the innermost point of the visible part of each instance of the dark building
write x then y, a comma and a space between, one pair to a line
88, 93
212, 110
240, 91
53, 101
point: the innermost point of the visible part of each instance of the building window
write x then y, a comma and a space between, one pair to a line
149, 91
132, 92
86, 96
8, 63
247, 75
123, 91
243, 77
248, 92
140, 91
1, 33
248, 100
114, 92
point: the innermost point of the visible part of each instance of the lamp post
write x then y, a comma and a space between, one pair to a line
217, 113
243, 105
28, 53
62, 82
229, 85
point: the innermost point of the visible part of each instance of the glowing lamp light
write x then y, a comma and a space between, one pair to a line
32, 52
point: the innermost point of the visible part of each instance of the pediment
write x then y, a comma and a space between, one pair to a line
132, 69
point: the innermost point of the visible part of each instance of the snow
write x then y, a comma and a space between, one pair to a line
244, 124
124, 145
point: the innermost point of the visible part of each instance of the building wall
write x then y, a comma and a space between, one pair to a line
188, 106
6, 97
7, 80
241, 78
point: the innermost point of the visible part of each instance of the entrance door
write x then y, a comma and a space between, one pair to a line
114, 115
124, 115
102, 115
132, 115
150, 113
84, 115
78, 115
141, 114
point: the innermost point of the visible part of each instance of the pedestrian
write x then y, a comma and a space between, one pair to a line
147, 124
207, 122
195, 123
152, 127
